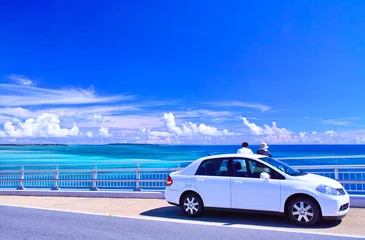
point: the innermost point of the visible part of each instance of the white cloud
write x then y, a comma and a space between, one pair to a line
20, 79
90, 113
302, 134
203, 113
330, 132
17, 112
74, 131
133, 121
159, 134
27, 95
170, 123
104, 132
338, 122
258, 106
46, 125
190, 129
266, 130
256, 130
95, 117
89, 134
314, 132
3, 134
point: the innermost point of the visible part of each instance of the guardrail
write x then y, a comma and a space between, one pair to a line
93, 176
144, 175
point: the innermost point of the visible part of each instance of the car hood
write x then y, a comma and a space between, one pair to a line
320, 180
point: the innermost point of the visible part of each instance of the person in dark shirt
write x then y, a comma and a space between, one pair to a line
263, 150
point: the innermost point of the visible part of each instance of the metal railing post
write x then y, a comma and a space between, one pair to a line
138, 178
336, 174
95, 177
21, 186
55, 178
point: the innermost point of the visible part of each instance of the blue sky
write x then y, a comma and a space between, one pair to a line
191, 72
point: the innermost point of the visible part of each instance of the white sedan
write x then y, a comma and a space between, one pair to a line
256, 183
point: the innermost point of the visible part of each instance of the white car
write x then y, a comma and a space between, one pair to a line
256, 183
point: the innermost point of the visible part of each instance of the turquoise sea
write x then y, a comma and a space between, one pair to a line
74, 154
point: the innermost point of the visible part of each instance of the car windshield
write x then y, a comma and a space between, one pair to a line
283, 166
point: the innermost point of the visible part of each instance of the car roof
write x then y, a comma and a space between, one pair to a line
191, 168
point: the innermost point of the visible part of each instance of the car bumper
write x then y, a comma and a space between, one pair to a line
334, 207
172, 197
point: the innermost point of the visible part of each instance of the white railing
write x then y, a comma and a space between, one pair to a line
140, 176
93, 176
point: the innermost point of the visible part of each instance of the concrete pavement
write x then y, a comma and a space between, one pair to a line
158, 209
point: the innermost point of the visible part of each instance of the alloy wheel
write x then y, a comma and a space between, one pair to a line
302, 212
191, 205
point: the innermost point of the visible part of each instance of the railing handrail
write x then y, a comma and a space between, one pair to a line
321, 157
99, 170
358, 166
159, 161
98, 163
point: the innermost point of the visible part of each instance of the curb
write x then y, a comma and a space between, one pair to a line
96, 194
357, 201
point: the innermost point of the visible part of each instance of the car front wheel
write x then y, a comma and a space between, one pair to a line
192, 205
304, 211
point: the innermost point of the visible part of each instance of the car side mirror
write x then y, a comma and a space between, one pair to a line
265, 175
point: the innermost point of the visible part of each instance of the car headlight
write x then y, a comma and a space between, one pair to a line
328, 190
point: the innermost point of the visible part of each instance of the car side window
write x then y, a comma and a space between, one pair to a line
252, 169
240, 168
214, 167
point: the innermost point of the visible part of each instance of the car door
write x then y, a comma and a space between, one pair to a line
213, 183
249, 191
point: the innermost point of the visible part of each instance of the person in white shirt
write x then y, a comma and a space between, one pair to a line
244, 149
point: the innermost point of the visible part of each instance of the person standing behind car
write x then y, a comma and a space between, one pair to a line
244, 149
263, 150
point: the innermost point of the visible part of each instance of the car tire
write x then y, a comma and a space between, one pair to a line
304, 211
192, 205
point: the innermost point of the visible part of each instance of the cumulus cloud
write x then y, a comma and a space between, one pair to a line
74, 131
46, 125
171, 124
330, 132
104, 132
89, 134
2, 134
191, 129
159, 134
266, 130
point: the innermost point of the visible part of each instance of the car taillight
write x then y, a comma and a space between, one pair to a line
169, 181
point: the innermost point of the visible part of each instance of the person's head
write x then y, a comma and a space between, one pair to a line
263, 146
245, 144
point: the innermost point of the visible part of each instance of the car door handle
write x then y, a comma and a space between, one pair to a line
237, 182
200, 179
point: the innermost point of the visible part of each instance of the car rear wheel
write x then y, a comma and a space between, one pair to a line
192, 205
304, 211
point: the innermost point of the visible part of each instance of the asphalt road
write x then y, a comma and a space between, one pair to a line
25, 223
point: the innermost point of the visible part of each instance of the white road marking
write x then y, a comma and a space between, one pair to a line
216, 224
